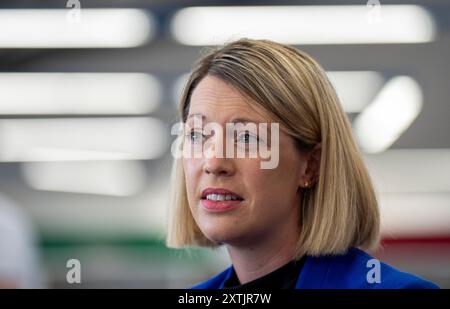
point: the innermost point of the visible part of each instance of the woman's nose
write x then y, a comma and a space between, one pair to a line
219, 166
217, 163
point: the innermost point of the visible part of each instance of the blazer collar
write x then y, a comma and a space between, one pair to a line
312, 275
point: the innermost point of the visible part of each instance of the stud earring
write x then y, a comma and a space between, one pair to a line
306, 184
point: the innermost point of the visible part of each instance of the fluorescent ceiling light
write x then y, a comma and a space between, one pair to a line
356, 89
389, 115
78, 93
391, 170
85, 215
335, 24
117, 178
52, 28
75, 139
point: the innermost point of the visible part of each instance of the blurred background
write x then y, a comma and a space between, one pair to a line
88, 94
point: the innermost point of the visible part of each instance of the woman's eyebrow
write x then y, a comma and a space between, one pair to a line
233, 120
243, 120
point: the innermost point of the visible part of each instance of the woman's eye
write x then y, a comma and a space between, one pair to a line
195, 136
247, 138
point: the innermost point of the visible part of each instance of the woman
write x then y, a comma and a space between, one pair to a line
301, 222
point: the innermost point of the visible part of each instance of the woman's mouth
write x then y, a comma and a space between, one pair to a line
219, 199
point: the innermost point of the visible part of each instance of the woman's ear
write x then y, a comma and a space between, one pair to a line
311, 167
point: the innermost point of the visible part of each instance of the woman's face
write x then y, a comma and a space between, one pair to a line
263, 201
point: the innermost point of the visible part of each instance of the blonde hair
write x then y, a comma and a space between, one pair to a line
340, 211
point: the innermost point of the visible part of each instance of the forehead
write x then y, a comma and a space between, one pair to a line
216, 99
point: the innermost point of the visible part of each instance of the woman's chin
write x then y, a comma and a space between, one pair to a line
220, 234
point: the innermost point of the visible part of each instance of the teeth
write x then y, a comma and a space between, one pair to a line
220, 197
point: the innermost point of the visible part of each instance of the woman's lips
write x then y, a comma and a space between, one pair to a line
221, 191
220, 206
219, 199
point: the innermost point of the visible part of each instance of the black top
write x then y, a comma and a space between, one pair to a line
284, 277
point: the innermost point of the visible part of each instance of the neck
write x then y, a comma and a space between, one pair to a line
270, 253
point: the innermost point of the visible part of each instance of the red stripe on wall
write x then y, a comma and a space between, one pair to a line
416, 240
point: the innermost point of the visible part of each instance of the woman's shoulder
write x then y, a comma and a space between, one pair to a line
357, 269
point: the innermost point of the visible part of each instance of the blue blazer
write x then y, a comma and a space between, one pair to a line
348, 271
